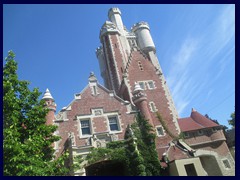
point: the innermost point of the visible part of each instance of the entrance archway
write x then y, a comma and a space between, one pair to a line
209, 160
210, 165
105, 168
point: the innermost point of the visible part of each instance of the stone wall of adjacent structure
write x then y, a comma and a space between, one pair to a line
204, 135
211, 145
177, 167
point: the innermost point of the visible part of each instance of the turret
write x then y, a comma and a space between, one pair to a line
51, 105
114, 15
102, 64
144, 37
140, 100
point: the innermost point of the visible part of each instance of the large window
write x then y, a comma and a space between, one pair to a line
113, 123
85, 127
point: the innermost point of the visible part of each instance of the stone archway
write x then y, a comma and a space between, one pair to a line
209, 160
105, 168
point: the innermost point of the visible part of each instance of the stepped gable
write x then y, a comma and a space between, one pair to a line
195, 121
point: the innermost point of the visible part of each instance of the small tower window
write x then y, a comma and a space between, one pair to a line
150, 85
160, 131
140, 65
153, 107
115, 45
94, 90
141, 84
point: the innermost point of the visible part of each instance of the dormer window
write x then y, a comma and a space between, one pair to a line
186, 134
214, 129
200, 132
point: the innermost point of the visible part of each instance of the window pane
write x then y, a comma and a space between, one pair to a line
152, 106
85, 127
150, 84
160, 131
113, 124
141, 84
114, 127
85, 123
226, 164
85, 131
113, 120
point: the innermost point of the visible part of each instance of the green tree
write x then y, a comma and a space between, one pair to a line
232, 121
27, 140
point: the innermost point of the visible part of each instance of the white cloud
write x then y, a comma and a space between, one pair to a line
200, 54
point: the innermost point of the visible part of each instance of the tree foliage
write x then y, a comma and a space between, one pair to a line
232, 120
27, 140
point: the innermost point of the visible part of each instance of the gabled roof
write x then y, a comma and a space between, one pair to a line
101, 87
195, 122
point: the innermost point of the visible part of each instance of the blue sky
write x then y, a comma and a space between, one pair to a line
55, 48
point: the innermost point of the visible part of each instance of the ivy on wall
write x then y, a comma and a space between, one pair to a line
137, 152
174, 137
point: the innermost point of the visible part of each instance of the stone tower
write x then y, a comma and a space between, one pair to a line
50, 103
126, 57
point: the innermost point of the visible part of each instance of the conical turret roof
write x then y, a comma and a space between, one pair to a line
137, 87
47, 94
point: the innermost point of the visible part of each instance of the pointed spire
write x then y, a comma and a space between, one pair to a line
47, 95
137, 87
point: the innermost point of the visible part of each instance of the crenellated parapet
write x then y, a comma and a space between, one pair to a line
108, 27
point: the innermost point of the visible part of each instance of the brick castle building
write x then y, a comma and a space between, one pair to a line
134, 82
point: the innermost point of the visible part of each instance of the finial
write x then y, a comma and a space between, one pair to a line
194, 110
47, 95
92, 77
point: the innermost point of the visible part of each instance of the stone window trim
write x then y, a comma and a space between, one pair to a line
160, 131
152, 106
97, 111
226, 163
81, 135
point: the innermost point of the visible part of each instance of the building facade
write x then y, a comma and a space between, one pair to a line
134, 82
